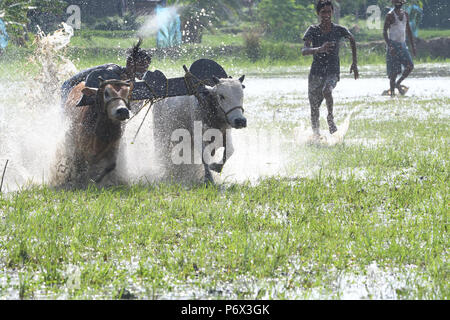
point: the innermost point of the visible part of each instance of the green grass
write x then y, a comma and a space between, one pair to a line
280, 239
433, 33
384, 201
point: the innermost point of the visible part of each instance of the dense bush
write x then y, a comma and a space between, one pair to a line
252, 42
285, 19
280, 51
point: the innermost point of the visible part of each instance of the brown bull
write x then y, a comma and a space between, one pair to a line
93, 138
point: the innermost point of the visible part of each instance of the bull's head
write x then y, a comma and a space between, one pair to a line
112, 98
228, 97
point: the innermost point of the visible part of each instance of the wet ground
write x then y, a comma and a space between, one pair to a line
278, 115
276, 106
278, 111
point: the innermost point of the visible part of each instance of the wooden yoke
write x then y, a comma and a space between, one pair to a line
155, 84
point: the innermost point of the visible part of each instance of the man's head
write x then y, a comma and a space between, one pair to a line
324, 9
398, 3
138, 60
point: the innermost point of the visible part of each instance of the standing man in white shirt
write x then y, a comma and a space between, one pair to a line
396, 27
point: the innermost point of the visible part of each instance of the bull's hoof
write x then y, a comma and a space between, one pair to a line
217, 167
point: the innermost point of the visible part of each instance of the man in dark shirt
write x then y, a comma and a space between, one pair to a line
322, 41
138, 61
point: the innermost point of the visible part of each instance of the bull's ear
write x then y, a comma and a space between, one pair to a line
205, 90
216, 80
241, 79
89, 91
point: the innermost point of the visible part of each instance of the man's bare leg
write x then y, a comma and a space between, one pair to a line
315, 100
392, 79
315, 122
405, 74
328, 95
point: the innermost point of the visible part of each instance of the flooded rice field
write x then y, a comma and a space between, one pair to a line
278, 114
275, 145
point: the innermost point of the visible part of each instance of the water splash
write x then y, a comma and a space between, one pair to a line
154, 23
49, 55
30, 113
305, 136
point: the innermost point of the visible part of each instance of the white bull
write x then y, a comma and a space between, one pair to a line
188, 133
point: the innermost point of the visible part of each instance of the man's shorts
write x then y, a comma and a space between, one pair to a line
402, 57
316, 84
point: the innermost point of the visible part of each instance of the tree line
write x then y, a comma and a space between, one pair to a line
284, 19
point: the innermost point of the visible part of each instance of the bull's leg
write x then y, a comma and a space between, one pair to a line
79, 173
227, 153
99, 170
105, 171
208, 176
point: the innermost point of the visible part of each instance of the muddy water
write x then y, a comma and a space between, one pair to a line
31, 128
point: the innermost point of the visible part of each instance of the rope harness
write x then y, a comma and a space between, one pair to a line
101, 90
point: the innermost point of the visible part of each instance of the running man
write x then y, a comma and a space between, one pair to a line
397, 53
322, 41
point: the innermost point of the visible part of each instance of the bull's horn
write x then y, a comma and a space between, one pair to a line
241, 79
140, 40
216, 80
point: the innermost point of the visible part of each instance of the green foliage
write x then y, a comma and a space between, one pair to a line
252, 41
285, 19
127, 22
15, 14
49, 6
280, 51
197, 15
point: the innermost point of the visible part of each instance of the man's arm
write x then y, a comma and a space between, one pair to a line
354, 67
410, 35
309, 50
387, 24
